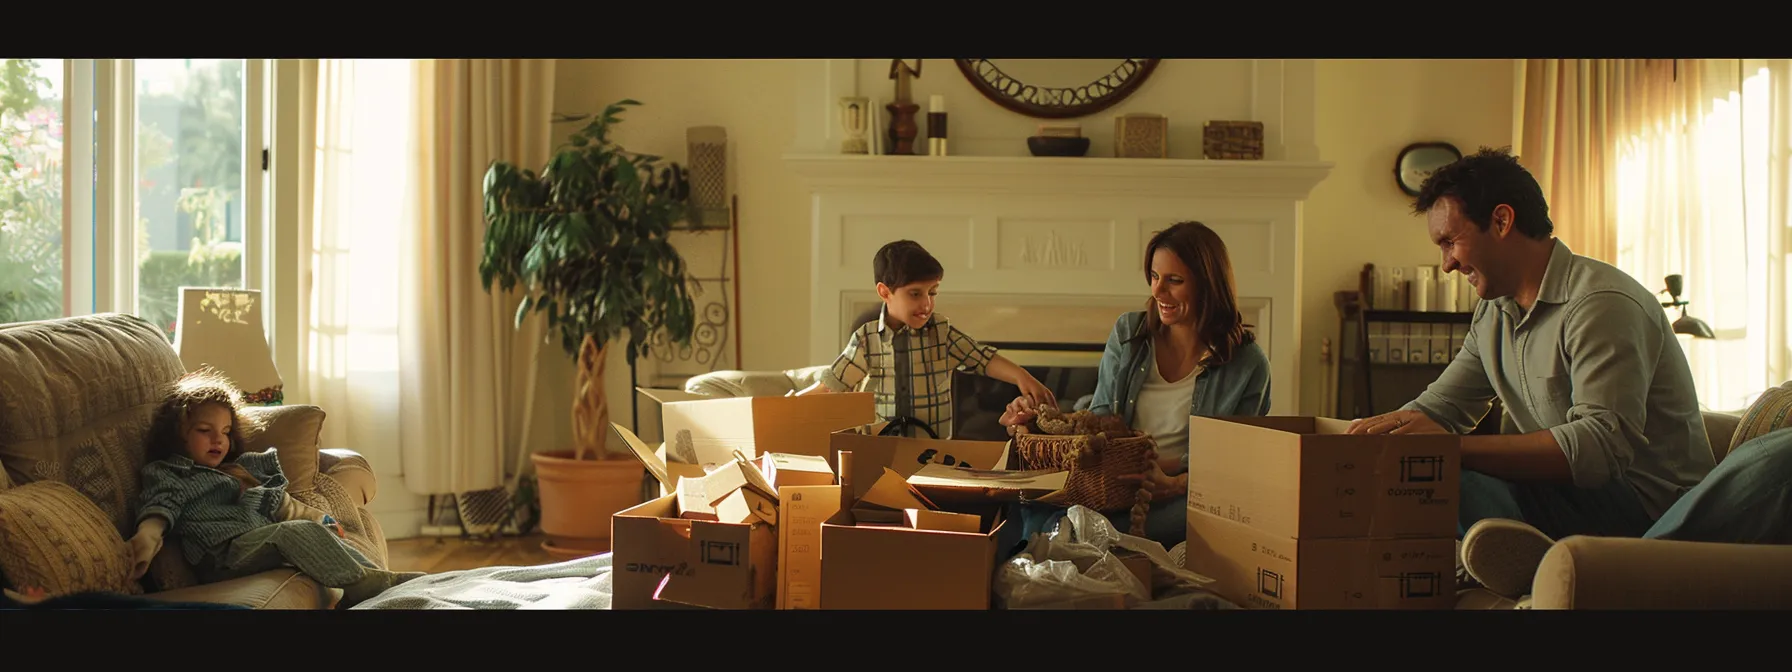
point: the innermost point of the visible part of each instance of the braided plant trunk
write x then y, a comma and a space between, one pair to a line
591, 410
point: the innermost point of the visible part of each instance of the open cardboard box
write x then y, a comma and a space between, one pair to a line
708, 431
663, 560
652, 420
904, 564
1301, 477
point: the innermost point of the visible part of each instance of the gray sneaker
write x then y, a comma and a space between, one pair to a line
1503, 555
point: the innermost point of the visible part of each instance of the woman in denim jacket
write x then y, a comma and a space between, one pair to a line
1188, 353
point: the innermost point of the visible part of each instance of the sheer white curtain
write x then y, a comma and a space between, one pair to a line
1702, 191
363, 179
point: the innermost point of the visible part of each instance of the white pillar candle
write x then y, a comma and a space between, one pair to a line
936, 103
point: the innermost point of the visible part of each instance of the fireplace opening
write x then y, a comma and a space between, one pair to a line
1067, 369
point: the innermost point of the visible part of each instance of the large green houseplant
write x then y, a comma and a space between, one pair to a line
588, 240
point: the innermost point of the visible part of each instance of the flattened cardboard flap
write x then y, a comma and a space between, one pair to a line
654, 464
892, 492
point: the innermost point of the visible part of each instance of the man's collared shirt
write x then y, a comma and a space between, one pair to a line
1596, 363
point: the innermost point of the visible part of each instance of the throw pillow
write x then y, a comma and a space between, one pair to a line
1773, 410
55, 540
293, 432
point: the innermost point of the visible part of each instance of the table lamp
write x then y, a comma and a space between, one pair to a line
220, 327
1690, 326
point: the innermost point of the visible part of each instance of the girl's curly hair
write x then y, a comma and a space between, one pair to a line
167, 429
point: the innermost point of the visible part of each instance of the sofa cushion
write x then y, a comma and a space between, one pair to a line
272, 589
54, 539
76, 396
293, 432
1773, 410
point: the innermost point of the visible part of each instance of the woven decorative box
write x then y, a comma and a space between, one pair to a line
1232, 140
1141, 136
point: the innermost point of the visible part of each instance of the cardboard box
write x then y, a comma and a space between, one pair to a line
708, 431
1257, 569
785, 469
802, 509
652, 420
1301, 477
895, 567
690, 562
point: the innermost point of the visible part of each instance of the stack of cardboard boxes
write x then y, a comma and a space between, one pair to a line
1291, 513
796, 503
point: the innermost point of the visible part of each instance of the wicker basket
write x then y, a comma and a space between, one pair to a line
1094, 461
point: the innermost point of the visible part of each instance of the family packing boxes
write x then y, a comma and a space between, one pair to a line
744, 485
1291, 513
918, 521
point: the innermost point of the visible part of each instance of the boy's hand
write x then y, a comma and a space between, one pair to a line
1041, 395
1019, 412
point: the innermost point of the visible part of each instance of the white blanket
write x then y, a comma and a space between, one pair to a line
575, 584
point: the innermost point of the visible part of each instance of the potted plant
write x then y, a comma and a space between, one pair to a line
588, 241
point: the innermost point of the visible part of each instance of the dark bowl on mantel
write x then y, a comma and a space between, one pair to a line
1042, 145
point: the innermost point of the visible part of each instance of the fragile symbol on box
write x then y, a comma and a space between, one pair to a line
1421, 468
721, 553
1419, 584
1269, 583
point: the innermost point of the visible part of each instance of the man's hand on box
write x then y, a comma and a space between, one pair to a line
1397, 422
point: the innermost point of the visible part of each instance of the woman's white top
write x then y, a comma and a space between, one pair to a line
1163, 408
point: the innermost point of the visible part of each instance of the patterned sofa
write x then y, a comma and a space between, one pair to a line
75, 401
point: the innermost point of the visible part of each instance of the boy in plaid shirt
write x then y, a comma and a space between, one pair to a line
907, 356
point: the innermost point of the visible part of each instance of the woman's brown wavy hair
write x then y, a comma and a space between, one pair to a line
168, 427
1221, 326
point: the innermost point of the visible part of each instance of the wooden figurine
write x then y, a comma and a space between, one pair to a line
903, 128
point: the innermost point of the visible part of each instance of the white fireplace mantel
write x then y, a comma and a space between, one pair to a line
1292, 180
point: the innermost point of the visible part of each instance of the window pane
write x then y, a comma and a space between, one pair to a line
189, 180
30, 189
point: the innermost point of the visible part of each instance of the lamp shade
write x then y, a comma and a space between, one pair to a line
220, 327
1693, 327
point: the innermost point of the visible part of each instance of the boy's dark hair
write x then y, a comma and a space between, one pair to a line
1485, 180
904, 262
167, 428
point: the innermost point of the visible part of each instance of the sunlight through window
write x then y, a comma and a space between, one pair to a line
1692, 196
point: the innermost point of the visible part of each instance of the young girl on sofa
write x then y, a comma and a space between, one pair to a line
230, 509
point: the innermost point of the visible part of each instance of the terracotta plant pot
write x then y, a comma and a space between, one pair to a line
578, 497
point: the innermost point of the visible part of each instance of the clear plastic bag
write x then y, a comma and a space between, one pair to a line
1074, 566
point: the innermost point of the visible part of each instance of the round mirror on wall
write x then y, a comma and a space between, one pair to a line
1052, 88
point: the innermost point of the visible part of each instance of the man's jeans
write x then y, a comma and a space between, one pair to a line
1613, 510
1747, 499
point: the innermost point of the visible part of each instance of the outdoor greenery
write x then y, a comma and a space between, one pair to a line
30, 196
186, 193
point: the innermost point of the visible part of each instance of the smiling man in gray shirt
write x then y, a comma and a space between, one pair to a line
1580, 355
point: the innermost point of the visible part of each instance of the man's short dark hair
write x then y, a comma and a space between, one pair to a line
1484, 180
904, 262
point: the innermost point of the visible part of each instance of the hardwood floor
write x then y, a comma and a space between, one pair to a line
444, 554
